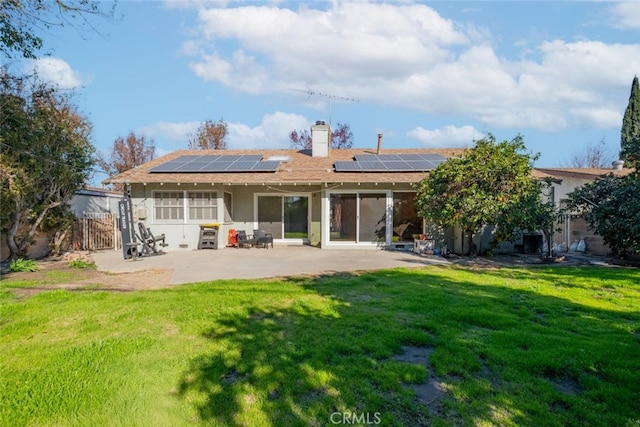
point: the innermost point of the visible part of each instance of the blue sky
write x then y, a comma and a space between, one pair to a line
424, 74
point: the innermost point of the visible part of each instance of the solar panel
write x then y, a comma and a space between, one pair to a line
370, 166
189, 158
240, 166
251, 158
266, 166
397, 165
165, 167
347, 166
387, 157
216, 163
360, 157
420, 165
432, 157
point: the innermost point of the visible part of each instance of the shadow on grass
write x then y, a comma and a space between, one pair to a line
505, 353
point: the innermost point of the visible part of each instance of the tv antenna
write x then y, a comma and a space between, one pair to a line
331, 98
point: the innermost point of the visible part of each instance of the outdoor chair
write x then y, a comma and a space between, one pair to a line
149, 241
245, 240
263, 238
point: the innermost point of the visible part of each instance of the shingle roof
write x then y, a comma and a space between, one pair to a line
301, 168
583, 173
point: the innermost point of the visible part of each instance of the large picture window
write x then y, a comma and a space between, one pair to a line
169, 205
406, 222
202, 205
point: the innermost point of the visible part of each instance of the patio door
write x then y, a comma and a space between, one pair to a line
357, 217
285, 217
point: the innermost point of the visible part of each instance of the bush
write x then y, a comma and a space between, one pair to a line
78, 263
23, 265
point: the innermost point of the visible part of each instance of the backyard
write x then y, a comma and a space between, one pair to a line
440, 345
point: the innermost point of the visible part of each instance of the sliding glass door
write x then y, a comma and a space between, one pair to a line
285, 217
357, 217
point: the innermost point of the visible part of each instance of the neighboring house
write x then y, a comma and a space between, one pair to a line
95, 200
352, 198
87, 201
575, 228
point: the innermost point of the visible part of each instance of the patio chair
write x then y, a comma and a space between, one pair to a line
263, 238
149, 241
245, 240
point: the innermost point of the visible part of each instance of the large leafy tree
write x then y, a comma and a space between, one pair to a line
630, 132
45, 156
341, 137
210, 136
127, 153
487, 185
21, 20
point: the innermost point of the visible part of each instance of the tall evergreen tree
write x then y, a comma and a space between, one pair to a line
630, 133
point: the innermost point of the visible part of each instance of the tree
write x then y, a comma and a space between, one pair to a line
630, 132
594, 156
610, 207
535, 211
482, 187
210, 136
45, 157
20, 19
341, 138
127, 153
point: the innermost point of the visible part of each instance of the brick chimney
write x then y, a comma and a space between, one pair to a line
320, 139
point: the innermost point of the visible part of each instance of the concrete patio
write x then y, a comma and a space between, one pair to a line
233, 263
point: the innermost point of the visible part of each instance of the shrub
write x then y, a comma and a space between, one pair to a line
21, 264
78, 263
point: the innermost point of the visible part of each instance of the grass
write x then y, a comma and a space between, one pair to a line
544, 346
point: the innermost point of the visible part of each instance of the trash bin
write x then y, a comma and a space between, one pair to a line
208, 236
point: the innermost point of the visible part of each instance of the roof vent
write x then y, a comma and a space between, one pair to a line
279, 158
320, 122
618, 165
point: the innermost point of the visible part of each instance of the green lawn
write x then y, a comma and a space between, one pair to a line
542, 346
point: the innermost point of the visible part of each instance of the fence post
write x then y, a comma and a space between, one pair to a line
85, 231
115, 232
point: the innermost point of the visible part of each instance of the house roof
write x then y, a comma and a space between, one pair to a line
300, 168
303, 168
582, 173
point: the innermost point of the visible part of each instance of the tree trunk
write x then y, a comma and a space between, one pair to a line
471, 245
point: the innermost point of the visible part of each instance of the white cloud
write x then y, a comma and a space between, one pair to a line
58, 73
272, 132
422, 61
625, 14
173, 132
448, 136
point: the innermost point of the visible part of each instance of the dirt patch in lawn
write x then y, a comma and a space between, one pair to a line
55, 273
433, 390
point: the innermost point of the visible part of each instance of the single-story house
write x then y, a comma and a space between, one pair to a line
575, 228
347, 198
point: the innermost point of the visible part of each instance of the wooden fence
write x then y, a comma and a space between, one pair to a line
96, 231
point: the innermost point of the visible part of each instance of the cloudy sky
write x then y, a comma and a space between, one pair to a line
424, 74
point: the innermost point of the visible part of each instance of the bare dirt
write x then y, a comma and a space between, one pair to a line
63, 276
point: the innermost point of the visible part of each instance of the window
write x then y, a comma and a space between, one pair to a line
169, 205
203, 205
228, 207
